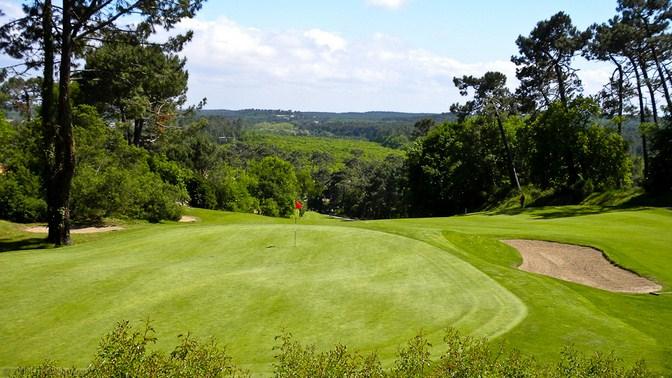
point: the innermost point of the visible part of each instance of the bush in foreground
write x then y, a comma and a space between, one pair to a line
124, 353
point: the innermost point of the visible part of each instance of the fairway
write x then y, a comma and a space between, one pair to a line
244, 284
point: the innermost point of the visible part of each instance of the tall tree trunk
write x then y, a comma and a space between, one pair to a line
642, 114
29, 110
47, 114
669, 76
621, 94
663, 82
59, 220
137, 131
561, 85
652, 92
513, 175
569, 155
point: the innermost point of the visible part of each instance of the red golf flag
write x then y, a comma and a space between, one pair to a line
298, 205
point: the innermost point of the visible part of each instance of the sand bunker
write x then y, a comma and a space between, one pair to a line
188, 219
88, 230
583, 265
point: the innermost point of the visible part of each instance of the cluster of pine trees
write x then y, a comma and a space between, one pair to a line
108, 137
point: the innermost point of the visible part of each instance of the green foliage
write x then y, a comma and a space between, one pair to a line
464, 357
124, 352
296, 360
659, 179
369, 190
126, 78
604, 159
415, 360
201, 192
21, 198
114, 179
456, 167
232, 189
305, 147
545, 62
275, 186
588, 152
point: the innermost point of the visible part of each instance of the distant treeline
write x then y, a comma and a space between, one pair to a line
391, 129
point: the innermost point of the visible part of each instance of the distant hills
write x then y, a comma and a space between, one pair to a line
268, 115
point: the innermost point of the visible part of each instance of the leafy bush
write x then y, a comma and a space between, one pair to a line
232, 189
295, 360
659, 179
125, 352
201, 192
20, 196
276, 186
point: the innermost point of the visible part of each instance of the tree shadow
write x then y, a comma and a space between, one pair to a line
572, 211
546, 208
15, 245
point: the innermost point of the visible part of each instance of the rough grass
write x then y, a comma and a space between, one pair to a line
369, 285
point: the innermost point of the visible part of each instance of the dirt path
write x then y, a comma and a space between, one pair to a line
583, 265
88, 230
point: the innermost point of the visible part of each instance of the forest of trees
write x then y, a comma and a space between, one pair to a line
110, 137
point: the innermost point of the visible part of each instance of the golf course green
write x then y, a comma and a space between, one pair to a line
370, 285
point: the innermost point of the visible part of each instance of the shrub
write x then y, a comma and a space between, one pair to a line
276, 186
201, 192
125, 352
20, 196
296, 360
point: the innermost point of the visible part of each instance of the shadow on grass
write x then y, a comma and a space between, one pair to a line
15, 245
552, 211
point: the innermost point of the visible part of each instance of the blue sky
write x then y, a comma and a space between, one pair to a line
359, 55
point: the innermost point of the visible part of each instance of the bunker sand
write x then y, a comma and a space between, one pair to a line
583, 265
87, 230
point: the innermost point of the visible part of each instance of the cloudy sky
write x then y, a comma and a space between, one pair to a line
360, 55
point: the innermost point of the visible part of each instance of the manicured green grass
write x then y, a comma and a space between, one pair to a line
634, 326
244, 284
369, 285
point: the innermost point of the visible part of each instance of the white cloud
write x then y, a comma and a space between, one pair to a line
388, 4
240, 67
325, 39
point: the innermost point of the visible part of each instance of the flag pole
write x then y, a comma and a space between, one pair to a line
297, 211
295, 223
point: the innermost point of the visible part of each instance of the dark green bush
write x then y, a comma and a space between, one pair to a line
232, 189
20, 196
201, 192
276, 186
659, 178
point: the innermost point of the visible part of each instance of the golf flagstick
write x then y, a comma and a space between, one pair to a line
295, 223
297, 211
